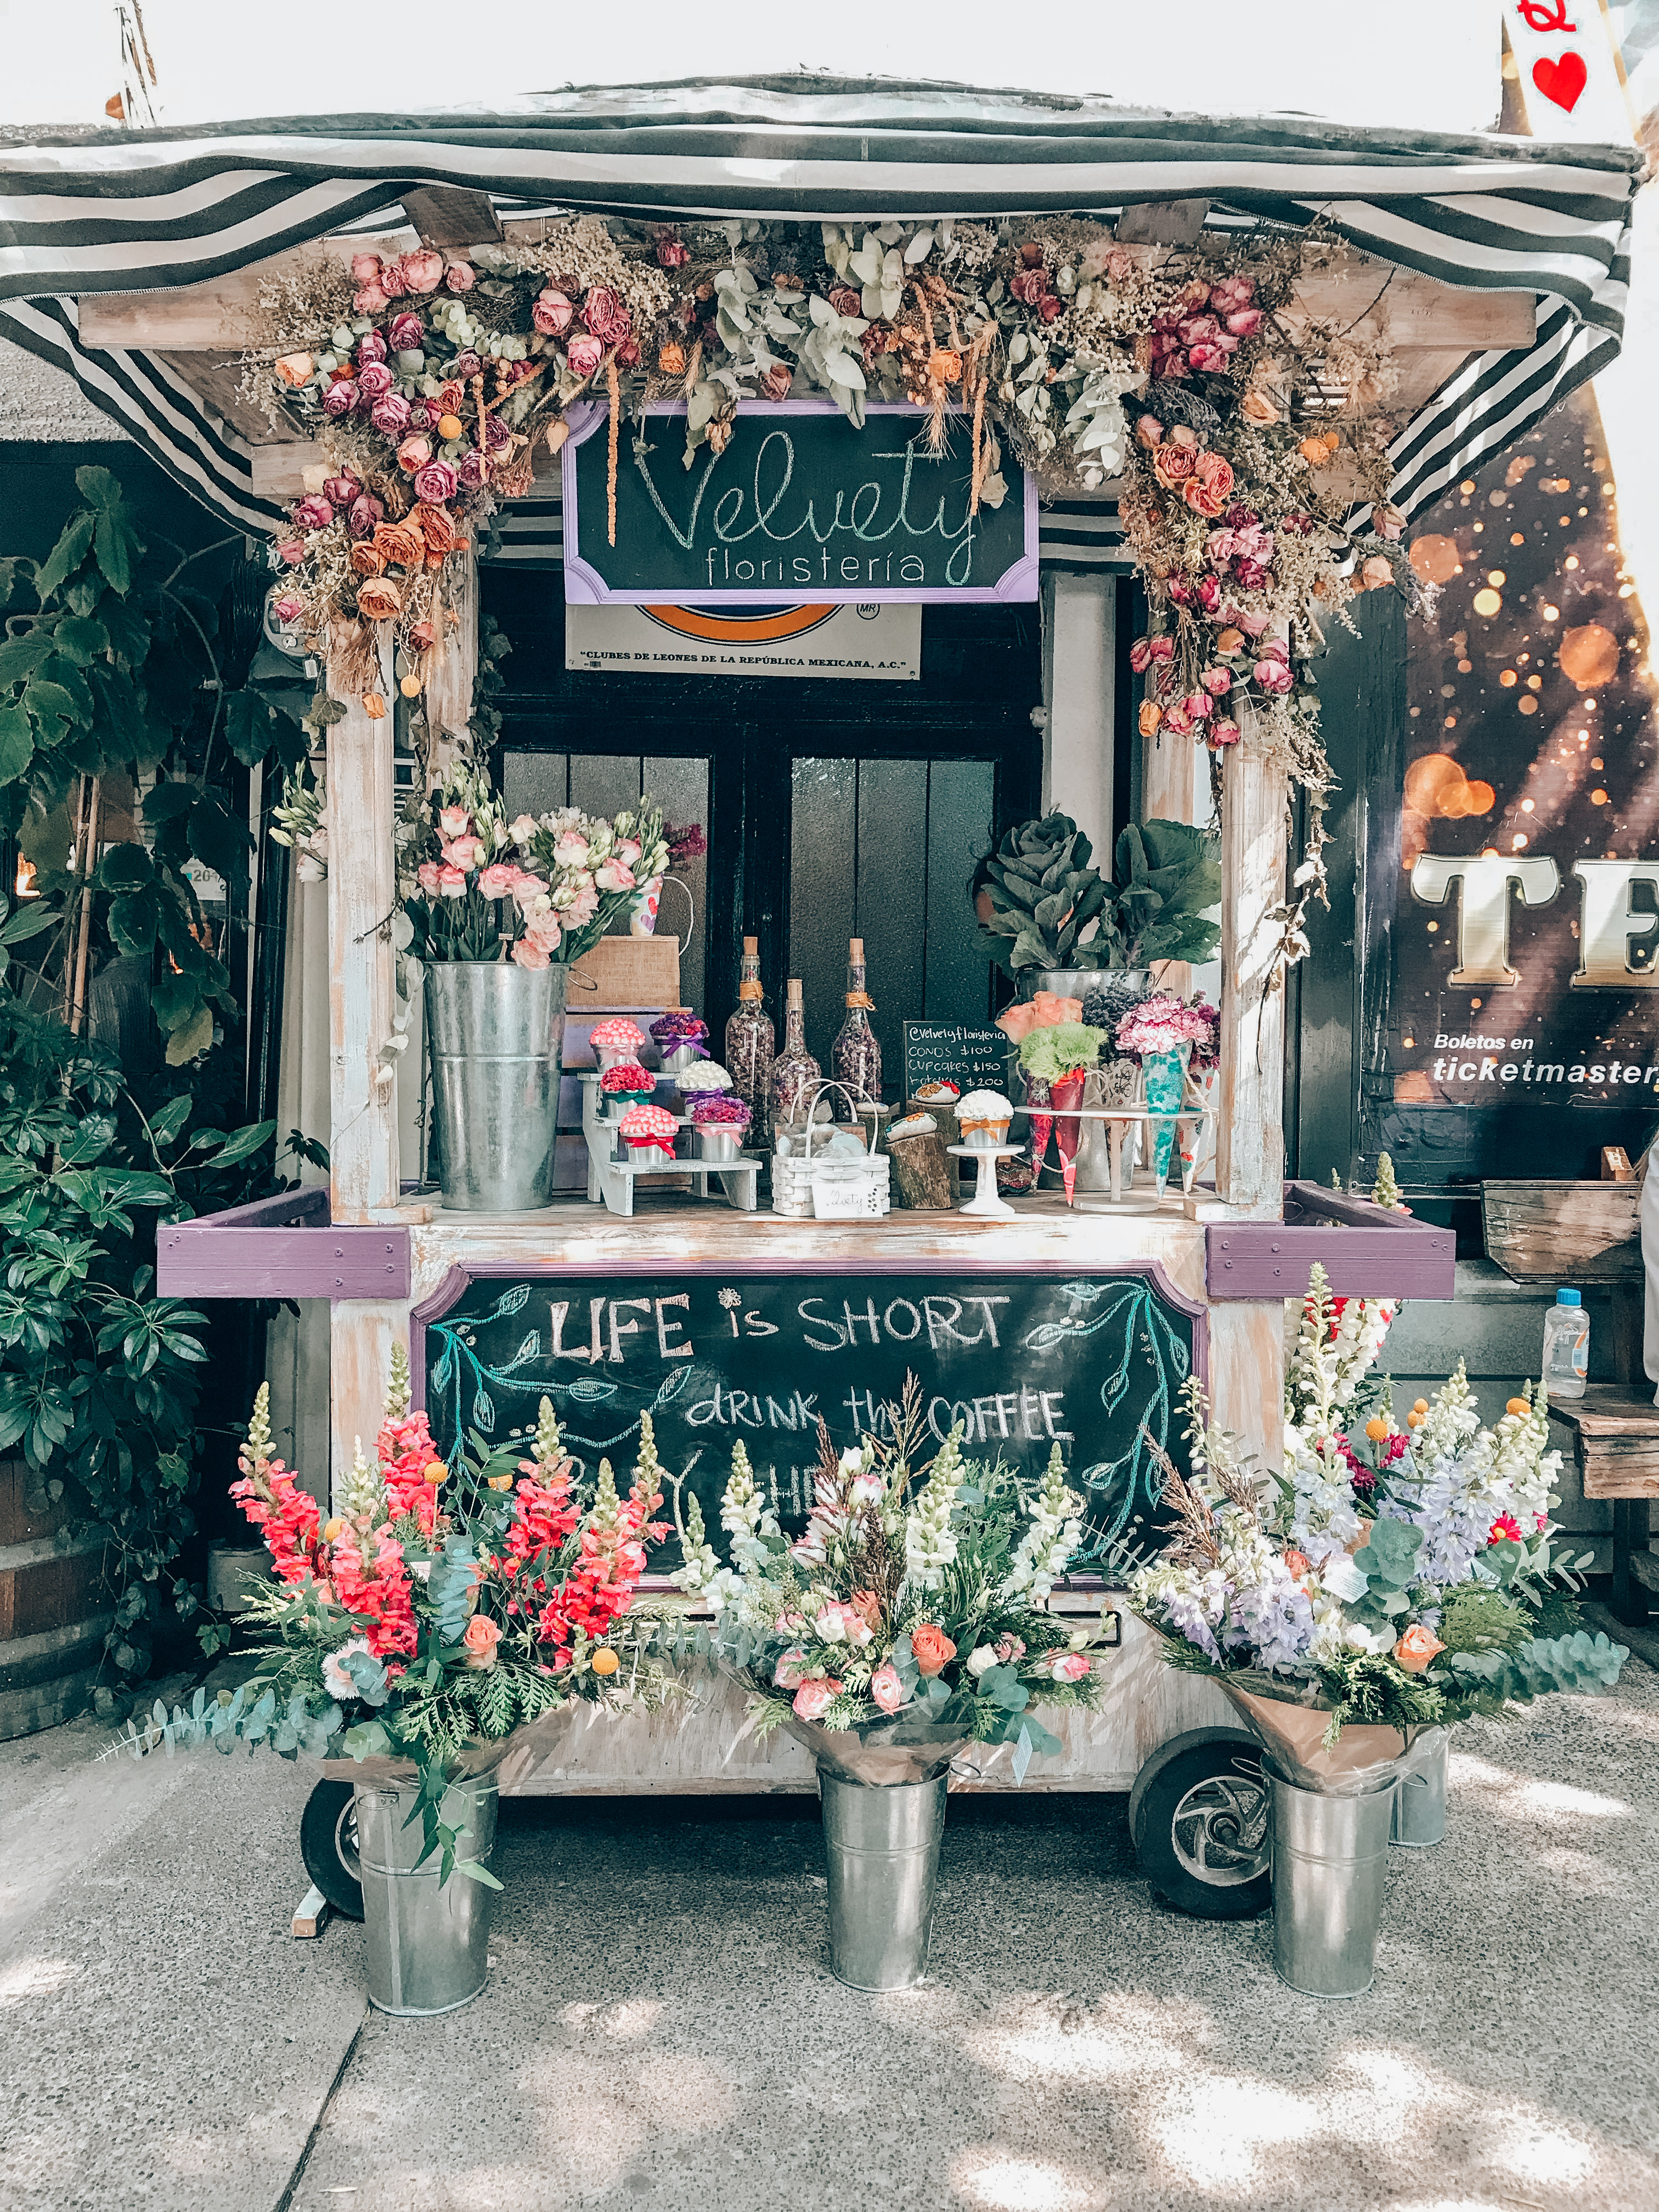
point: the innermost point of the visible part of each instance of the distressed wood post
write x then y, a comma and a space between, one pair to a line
362, 1103
1247, 1339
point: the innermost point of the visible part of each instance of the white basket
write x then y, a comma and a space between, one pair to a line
792, 1187
852, 1190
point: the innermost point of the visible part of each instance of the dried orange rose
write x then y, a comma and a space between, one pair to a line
402, 543
366, 561
374, 705
944, 366
1150, 716
435, 526
1313, 452
671, 359
1256, 407
1229, 640
378, 599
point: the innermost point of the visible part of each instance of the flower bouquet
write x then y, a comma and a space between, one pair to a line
720, 1119
681, 1038
907, 1625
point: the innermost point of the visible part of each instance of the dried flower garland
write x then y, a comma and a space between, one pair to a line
1257, 431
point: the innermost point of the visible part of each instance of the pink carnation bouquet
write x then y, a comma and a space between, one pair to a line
1165, 1024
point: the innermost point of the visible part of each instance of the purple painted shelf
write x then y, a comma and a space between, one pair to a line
285, 1247
1366, 1250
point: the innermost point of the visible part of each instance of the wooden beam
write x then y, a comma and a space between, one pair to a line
218, 381
279, 471
222, 315
448, 215
1250, 1133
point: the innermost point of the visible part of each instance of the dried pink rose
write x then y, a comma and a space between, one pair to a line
460, 277
341, 489
1273, 676
341, 397
371, 301
467, 365
289, 608
291, 552
394, 282
374, 379
390, 415
436, 482
365, 268
407, 333
371, 347
472, 469
605, 316
313, 513
776, 382
366, 511
413, 453
670, 253
1224, 731
1028, 286
553, 313
585, 355
423, 271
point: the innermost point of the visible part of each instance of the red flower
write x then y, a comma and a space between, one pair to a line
1028, 286
1505, 1528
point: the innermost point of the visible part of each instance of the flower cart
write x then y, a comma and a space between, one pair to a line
1249, 414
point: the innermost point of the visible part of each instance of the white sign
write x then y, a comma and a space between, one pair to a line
865, 643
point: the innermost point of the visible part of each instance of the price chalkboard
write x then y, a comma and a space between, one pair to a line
800, 508
1019, 1361
973, 1056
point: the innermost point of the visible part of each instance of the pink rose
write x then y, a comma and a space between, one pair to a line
341, 489
389, 415
435, 483
1245, 323
291, 552
816, 1698
496, 434
472, 469
613, 877
1028, 286
791, 1670
407, 334
427, 877
1275, 649
312, 513
584, 355
1388, 522
1232, 295
496, 881
1140, 655
1224, 731
413, 453
1199, 705
1273, 676
366, 511
776, 383
423, 271
1149, 431
460, 277
1209, 360
553, 313
1179, 721
392, 281
527, 953
371, 301
1074, 1667
845, 300
1180, 592
1217, 682
886, 1688
371, 347
365, 268
1161, 648
341, 397
1049, 307
454, 822
289, 608
605, 316
479, 1643
422, 414
671, 253
452, 883
467, 365
1197, 330
1209, 593
374, 379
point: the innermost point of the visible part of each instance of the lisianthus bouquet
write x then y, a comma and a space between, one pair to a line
538, 889
909, 1620
440, 1610
1343, 1620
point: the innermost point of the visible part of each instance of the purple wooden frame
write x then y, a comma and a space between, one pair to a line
1366, 1251
584, 586
464, 1273
285, 1247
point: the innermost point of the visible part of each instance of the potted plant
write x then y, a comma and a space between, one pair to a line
415, 1636
496, 912
1056, 924
1347, 1609
907, 1623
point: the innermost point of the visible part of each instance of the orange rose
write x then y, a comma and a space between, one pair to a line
366, 561
1172, 464
1313, 452
944, 366
1295, 1564
1150, 716
378, 599
867, 1606
1256, 407
671, 359
1375, 573
1210, 487
479, 1643
1416, 1649
296, 368
402, 543
435, 526
374, 705
932, 1649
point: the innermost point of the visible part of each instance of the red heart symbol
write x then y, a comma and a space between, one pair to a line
1563, 80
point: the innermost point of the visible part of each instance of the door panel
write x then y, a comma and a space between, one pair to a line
890, 899
961, 826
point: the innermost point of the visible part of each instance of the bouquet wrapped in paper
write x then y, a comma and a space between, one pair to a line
1345, 1610
909, 1621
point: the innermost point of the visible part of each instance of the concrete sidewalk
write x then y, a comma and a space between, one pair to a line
661, 2029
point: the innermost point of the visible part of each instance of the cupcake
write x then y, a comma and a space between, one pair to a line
626, 1083
649, 1133
983, 1117
617, 1038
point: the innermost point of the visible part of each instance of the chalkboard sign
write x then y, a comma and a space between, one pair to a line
972, 1055
1020, 1360
800, 508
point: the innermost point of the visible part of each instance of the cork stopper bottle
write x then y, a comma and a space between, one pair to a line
750, 1041
856, 1055
795, 1074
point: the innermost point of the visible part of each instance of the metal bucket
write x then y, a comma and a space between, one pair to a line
882, 1848
428, 1942
495, 1031
1420, 1810
1330, 1858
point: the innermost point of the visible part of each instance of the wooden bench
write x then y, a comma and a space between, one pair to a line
1590, 1232
1616, 1431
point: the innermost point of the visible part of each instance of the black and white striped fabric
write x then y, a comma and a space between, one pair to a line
130, 211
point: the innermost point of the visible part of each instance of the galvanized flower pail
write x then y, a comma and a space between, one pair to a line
1330, 1857
494, 1031
882, 1843
428, 1942
1419, 1810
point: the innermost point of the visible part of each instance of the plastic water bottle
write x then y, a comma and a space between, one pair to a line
1566, 1346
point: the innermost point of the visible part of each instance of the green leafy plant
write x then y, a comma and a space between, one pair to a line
1059, 1050
1052, 909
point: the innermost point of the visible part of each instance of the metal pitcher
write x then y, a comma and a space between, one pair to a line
428, 1942
1420, 1810
883, 1845
1330, 1858
495, 1031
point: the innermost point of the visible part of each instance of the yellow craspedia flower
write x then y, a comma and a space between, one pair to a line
604, 1661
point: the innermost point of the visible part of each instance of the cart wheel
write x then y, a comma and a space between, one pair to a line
1199, 1816
328, 1844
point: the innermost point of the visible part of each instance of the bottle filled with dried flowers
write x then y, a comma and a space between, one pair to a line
856, 1055
795, 1074
751, 1039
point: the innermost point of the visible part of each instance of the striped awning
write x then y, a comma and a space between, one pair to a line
130, 211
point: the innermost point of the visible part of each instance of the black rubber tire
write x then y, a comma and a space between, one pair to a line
327, 1835
1236, 1769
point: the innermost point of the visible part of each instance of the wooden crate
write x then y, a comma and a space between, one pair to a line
1617, 1433
622, 974
1563, 1233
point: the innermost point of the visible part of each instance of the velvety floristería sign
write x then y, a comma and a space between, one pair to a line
800, 507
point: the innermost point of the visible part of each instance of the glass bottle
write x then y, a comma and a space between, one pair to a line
750, 1038
795, 1074
856, 1055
